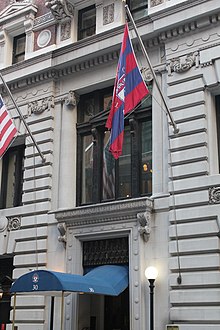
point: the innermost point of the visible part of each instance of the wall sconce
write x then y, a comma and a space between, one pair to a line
151, 274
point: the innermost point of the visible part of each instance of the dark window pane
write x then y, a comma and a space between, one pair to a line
87, 169
20, 45
138, 8
89, 108
135, 4
146, 171
125, 167
19, 48
10, 180
108, 176
87, 22
107, 100
217, 100
12, 177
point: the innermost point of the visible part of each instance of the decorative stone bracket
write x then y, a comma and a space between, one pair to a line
9, 224
183, 63
214, 195
14, 223
147, 74
62, 229
144, 220
61, 9
72, 99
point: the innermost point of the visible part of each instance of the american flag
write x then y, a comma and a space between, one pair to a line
8, 130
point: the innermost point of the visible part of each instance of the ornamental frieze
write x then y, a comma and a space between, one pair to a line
154, 3
39, 106
43, 20
214, 195
183, 63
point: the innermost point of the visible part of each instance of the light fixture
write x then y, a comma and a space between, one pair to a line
1, 291
151, 274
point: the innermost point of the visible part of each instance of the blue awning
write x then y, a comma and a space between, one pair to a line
107, 280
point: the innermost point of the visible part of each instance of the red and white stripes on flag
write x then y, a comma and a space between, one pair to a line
7, 128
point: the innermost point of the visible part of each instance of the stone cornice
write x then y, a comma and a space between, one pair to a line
164, 12
98, 213
103, 55
17, 9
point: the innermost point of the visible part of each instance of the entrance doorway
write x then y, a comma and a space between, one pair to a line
99, 312
104, 312
116, 314
6, 269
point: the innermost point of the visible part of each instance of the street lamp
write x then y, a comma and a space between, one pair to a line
151, 274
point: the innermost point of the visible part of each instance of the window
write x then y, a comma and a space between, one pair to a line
218, 126
138, 8
100, 177
86, 22
12, 177
19, 48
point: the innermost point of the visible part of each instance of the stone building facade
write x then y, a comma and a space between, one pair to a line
59, 60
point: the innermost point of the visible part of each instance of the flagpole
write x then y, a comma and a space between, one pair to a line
175, 128
22, 118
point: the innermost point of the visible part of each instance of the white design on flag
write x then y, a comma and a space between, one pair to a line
7, 128
121, 88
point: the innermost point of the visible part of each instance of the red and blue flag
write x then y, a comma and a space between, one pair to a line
129, 90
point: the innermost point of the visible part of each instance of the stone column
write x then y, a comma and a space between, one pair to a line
160, 147
67, 152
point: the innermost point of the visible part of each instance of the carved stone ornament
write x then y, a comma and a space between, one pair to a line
154, 3
147, 74
61, 9
43, 19
144, 225
182, 64
3, 224
24, 1
38, 107
44, 38
14, 223
62, 229
65, 30
214, 195
108, 14
72, 99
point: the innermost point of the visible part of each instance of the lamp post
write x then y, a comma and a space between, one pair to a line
151, 274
